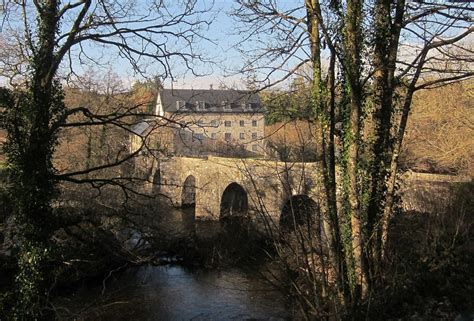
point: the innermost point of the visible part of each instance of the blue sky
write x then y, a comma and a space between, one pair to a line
220, 49
227, 58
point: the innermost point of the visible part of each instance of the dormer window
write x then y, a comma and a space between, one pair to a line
200, 105
225, 104
180, 104
246, 106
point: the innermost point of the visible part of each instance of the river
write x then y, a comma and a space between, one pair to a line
174, 292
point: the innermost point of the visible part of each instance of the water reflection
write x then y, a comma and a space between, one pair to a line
173, 293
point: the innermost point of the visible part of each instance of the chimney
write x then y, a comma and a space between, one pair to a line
210, 86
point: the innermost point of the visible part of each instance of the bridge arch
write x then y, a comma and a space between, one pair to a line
298, 210
234, 202
157, 181
188, 195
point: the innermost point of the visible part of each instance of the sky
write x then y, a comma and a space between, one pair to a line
228, 59
220, 49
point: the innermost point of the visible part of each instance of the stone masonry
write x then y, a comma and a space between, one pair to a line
268, 184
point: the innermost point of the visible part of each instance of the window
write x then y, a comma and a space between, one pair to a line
242, 123
254, 123
214, 123
200, 105
254, 148
227, 136
242, 136
254, 135
180, 104
213, 136
225, 104
227, 123
200, 122
246, 106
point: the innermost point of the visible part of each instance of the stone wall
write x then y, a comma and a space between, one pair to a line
430, 193
268, 184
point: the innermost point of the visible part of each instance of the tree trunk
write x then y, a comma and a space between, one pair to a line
385, 188
30, 147
387, 211
380, 150
352, 63
324, 111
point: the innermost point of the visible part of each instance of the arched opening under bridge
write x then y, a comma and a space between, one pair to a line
299, 210
234, 201
188, 196
234, 210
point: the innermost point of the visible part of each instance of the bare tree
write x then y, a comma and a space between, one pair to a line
52, 36
378, 54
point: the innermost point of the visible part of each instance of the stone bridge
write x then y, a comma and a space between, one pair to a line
218, 187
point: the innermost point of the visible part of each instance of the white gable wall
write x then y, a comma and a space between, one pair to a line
159, 106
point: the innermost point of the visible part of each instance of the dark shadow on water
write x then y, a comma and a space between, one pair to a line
176, 293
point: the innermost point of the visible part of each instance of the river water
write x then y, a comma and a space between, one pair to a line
173, 292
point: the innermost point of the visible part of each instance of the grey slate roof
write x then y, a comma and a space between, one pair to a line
140, 128
212, 100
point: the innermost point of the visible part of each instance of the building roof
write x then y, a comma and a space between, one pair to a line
210, 101
140, 128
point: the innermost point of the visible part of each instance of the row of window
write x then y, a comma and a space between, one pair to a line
227, 123
227, 136
201, 105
